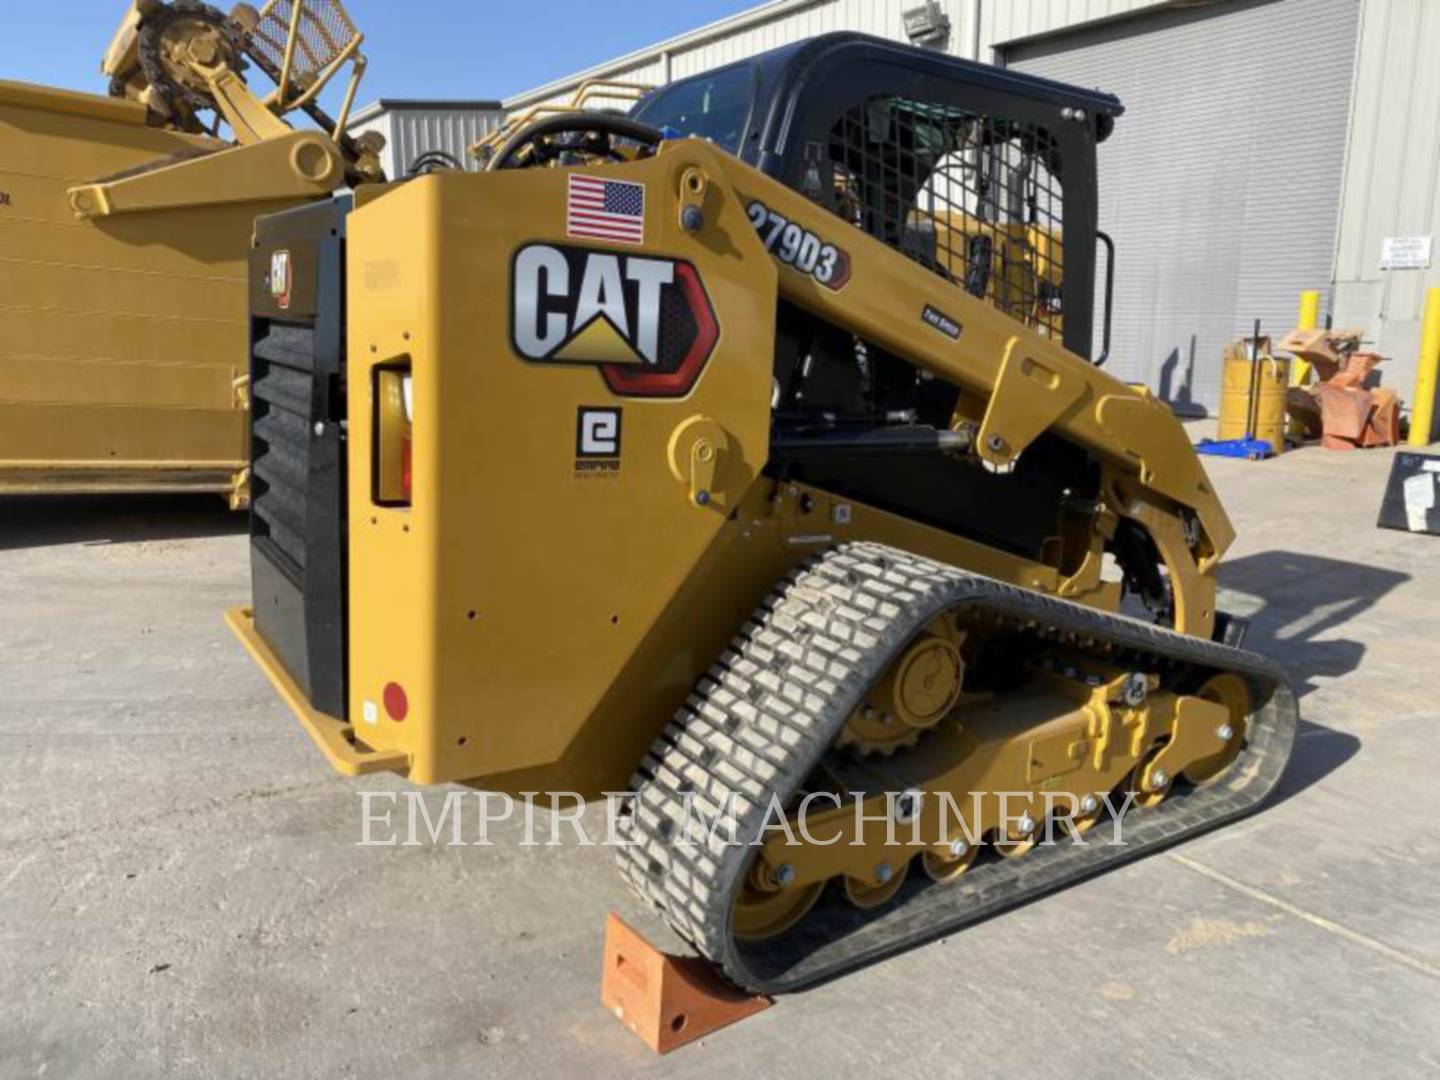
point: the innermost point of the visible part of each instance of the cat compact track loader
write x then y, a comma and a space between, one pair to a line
696, 452
125, 227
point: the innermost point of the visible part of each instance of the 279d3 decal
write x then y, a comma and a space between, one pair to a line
645, 321
798, 248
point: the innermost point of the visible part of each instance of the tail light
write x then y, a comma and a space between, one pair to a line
394, 457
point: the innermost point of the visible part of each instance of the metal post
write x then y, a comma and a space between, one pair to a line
1252, 401
1309, 319
1422, 409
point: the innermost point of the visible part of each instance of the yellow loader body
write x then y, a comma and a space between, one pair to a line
543, 618
674, 456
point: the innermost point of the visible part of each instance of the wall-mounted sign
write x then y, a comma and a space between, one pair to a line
1405, 253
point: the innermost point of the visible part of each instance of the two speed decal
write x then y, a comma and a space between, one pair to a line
799, 248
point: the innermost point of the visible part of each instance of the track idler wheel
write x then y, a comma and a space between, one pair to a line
768, 905
1020, 839
1230, 691
179, 42
884, 884
1086, 816
949, 865
1150, 784
914, 695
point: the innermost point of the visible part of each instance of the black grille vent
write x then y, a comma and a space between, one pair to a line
283, 378
297, 398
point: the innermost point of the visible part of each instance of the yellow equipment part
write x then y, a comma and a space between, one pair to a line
581, 551
124, 241
1252, 394
1025, 269
122, 344
1056, 751
453, 598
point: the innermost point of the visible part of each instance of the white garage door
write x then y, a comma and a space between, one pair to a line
1221, 183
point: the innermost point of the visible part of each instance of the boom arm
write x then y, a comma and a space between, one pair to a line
1031, 383
181, 61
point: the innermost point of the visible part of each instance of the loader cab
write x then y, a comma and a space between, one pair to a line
984, 175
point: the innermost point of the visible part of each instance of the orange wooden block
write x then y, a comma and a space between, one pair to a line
667, 1000
1384, 426
1345, 413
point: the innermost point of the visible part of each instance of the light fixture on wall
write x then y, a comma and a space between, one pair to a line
927, 24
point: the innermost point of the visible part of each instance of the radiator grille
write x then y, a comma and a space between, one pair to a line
282, 384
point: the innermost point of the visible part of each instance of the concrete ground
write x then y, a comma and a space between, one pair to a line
181, 893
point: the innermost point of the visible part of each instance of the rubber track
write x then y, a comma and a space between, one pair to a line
766, 714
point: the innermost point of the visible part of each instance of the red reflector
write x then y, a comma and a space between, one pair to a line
405, 474
396, 703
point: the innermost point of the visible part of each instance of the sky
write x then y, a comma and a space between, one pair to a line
417, 48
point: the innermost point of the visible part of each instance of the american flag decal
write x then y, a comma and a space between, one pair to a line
606, 209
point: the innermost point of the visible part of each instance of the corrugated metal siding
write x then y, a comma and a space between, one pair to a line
878, 17
452, 132
1003, 21
1221, 184
1392, 179
411, 132
765, 27
771, 25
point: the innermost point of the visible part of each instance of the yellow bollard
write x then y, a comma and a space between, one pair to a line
1422, 409
1309, 320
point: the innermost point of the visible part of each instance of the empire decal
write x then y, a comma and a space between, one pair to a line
597, 442
646, 322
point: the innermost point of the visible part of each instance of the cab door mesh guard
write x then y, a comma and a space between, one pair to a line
977, 199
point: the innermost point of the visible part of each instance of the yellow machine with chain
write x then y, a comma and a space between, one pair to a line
657, 457
125, 225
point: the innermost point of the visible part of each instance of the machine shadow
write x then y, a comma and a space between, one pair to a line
1294, 600
1181, 397
1318, 752
114, 519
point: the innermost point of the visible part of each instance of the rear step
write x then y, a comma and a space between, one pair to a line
819, 642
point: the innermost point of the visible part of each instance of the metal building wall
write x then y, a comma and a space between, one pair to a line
1221, 183
781, 22
1392, 180
767, 26
1007, 21
879, 17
